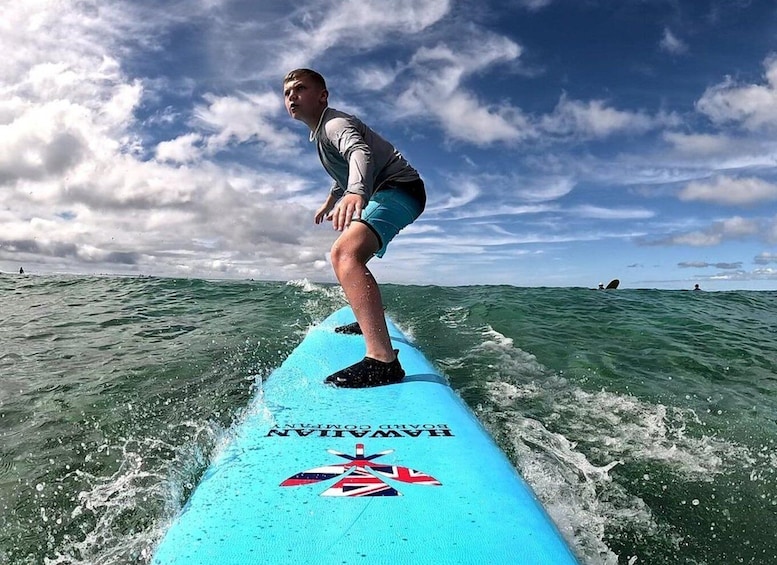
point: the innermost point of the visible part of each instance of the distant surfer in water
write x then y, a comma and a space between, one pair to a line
375, 194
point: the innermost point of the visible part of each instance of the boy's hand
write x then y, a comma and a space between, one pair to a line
349, 206
321, 213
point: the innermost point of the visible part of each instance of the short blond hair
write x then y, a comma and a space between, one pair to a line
300, 73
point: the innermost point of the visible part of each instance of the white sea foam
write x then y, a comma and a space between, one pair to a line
507, 359
405, 327
627, 427
328, 291
304, 284
564, 478
568, 485
454, 317
320, 299
616, 428
114, 510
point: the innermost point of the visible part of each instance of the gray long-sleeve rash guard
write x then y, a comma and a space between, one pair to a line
359, 160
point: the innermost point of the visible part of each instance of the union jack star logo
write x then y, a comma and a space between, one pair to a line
360, 476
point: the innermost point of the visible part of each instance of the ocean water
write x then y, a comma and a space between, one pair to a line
644, 420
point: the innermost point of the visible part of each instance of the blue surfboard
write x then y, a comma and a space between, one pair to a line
402, 473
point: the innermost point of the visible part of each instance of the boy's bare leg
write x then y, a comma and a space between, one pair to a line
350, 254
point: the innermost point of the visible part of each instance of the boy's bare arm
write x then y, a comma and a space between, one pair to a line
325, 208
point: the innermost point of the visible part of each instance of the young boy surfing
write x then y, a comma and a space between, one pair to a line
375, 194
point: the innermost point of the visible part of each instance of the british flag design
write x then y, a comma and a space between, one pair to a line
360, 476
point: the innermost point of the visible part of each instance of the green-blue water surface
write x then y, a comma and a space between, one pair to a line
644, 420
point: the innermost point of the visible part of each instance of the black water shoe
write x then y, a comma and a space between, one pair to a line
367, 373
350, 329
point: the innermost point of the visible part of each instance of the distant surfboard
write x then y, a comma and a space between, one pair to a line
403, 473
613, 284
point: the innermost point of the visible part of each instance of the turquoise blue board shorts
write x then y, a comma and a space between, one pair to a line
388, 212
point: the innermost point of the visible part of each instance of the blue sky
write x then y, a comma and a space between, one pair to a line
563, 142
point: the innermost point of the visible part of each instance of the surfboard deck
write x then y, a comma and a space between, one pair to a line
402, 473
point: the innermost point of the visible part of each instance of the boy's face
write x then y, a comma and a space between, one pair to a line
304, 99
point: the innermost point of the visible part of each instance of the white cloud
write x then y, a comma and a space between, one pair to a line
464, 118
182, 149
77, 192
494, 195
704, 265
752, 106
594, 119
461, 194
741, 275
764, 274
242, 118
602, 213
700, 144
730, 191
437, 90
542, 188
671, 43
494, 200
735, 228
739, 227
765, 258
374, 77
697, 239
62, 115
142, 215
534, 5
357, 23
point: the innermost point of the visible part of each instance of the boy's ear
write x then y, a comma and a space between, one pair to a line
325, 95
